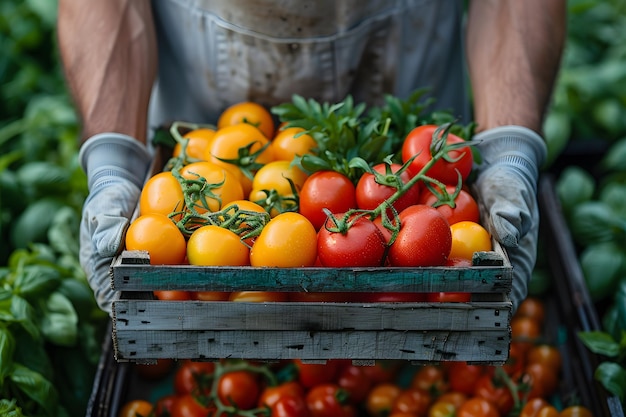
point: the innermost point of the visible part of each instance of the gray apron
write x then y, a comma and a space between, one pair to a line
213, 53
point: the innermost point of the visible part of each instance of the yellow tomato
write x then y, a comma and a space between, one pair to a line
274, 176
198, 141
287, 144
250, 113
213, 246
158, 235
288, 240
162, 193
230, 141
229, 190
468, 237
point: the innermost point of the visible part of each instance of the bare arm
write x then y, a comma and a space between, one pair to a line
514, 49
108, 50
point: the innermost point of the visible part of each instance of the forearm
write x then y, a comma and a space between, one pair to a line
108, 50
514, 49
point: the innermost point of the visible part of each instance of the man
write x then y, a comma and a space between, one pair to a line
134, 64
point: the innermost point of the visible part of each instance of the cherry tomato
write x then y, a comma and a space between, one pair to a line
532, 407
525, 331
362, 245
462, 376
546, 355
163, 194
239, 388
164, 405
541, 378
270, 395
430, 378
292, 142
576, 411
210, 295
468, 238
188, 405
172, 295
516, 360
154, 371
453, 397
196, 142
275, 175
533, 308
463, 207
312, 374
389, 297
158, 235
424, 238
477, 407
496, 392
258, 296
380, 400
418, 143
213, 245
326, 189
353, 379
288, 240
442, 409
193, 377
370, 193
329, 400
250, 113
412, 400
223, 185
136, 408
291, 406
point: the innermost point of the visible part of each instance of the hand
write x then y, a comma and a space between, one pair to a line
116, 167
507, 185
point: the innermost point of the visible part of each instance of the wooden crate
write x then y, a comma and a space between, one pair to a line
147, 329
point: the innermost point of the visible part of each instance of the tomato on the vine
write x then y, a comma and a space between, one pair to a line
162, 193
212, 245
380, 399
462, 376
493, 389
224, 187
424, 238
292, 142
430, 378
312, 374
290, 406
370, 193
271, 394
326, 189
196, 142
418, 143
361, 245
465, 205
412, 400
187, 405
353, 379
239, 388
164, 405
193, 377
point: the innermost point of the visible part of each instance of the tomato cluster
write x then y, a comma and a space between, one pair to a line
234, 195
522, 387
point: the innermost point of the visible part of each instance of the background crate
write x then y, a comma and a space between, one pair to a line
149, 329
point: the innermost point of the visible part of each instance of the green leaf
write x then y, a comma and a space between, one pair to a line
601, 343
59, 324
613, 194
615, 158
36, 280
63, 232
9, 408
42, 178
603, 265
613, 378
36, 387
573, 187
7, 348
24, 314
593, 222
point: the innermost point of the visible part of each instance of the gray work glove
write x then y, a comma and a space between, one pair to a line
116, 167
507, 185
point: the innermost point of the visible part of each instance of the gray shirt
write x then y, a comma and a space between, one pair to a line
213, 53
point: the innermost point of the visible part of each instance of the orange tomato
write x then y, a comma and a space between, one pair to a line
230, 141
214, 245
380, 399
250, 113
468, 237
275, 175
158, 235
258, 296
229, 190
197, 142
288, 240
172, 295
210, 295
136, 408
163, 194
291, 142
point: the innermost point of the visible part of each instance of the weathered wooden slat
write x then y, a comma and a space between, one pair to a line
129, 274
142, 316
430, 346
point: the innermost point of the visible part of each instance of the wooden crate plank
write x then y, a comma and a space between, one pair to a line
429, 346
149, 315
131, 275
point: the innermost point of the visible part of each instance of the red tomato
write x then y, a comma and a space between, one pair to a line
517, 359
477, 407
463, 376
362, 245
463, 207
352, 378
532, 407
382, 371
424, 239
291, 406
541, 378
412, 400
418, 143
188, 406
326, 189
496, 392
381, 398
329, 400
390, 297
328, 297
172, 295
239, 388
271, 395
312, 374
164, 405
430, 378
449, 297
193, 377
370, 193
